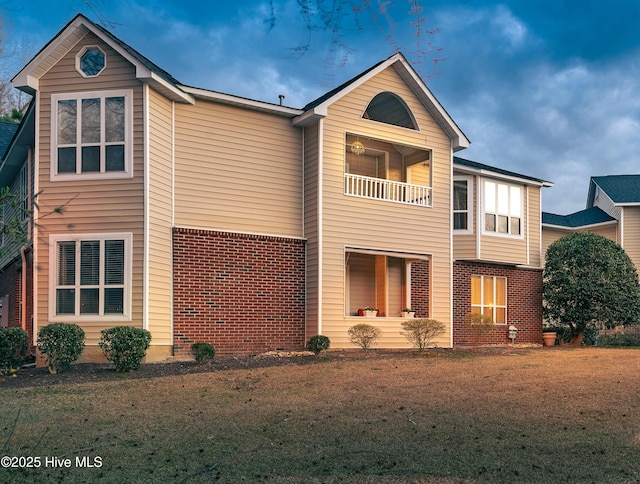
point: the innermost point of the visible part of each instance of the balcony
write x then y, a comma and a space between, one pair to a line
387, 190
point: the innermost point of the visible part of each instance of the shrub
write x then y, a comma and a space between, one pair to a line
627, 337
421, 331
478, 324
14, 343
203, 351
318, 343
125, 346
61, 344
364, 335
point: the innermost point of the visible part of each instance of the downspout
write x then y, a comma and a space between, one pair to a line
23, 316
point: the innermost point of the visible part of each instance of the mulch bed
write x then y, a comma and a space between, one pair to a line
97, 372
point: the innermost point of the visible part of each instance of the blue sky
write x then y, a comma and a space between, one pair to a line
547, 88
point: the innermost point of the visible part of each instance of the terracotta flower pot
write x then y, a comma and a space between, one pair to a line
549, 338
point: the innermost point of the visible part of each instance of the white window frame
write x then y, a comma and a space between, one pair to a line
469, 211
127, 237
508, 213
128, 136
482, 306
79, 60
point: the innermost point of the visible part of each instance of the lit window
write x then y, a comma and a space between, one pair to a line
91, 135
92, 277
502, 208
489, 297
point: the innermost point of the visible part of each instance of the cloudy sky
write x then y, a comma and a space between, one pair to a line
547, 88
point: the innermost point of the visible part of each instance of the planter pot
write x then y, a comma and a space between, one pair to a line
407, 314
370, 314
549, 338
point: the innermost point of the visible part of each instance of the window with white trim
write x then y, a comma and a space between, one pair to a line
462, 204
489, 297
90, 277
91, 135
502, 209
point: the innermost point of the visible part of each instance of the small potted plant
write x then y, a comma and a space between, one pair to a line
370, 312
408, 313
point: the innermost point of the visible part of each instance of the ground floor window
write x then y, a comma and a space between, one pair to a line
91, 276
489, 297
377, 280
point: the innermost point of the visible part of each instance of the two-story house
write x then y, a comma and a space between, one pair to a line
203, 216
612, 210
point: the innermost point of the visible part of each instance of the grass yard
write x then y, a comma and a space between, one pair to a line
510, 415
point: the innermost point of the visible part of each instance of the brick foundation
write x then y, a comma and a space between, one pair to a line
244, 294
524, 303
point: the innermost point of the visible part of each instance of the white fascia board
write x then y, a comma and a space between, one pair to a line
579, 227
310, 117
240, 101
500, 176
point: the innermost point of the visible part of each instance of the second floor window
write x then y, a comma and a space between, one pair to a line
91, 134
502, 209
462, 205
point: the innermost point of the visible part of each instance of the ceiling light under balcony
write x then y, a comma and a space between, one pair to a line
357, 148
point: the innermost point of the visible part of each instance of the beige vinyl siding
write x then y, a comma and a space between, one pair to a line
311, 229
631, 221
237, 170
160, 216
362, 223
89, 206
551, 234
533, 223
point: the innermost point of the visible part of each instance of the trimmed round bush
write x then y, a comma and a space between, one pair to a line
61, 344
125, 346
421, 331
318, 343
203, 351
14, 343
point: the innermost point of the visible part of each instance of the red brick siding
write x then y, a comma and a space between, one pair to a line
524, 303
244, 294
11, 286
420, 288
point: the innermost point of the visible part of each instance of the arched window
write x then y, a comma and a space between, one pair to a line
389, 108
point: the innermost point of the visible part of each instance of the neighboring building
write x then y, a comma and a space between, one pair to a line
202, 216
613, 210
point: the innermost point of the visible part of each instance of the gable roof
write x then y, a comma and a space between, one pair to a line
487, 170
621, 189
146, 71
583, 218
318, 108
7, 131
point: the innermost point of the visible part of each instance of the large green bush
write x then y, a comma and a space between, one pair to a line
61, 344
14, 343
125, 346
589, 280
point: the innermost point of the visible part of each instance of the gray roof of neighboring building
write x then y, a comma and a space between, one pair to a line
619, 188
583, 218
7, 132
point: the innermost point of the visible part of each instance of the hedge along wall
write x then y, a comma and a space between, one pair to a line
524, 303
244, 294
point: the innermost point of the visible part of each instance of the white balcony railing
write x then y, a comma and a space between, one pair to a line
388, 190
